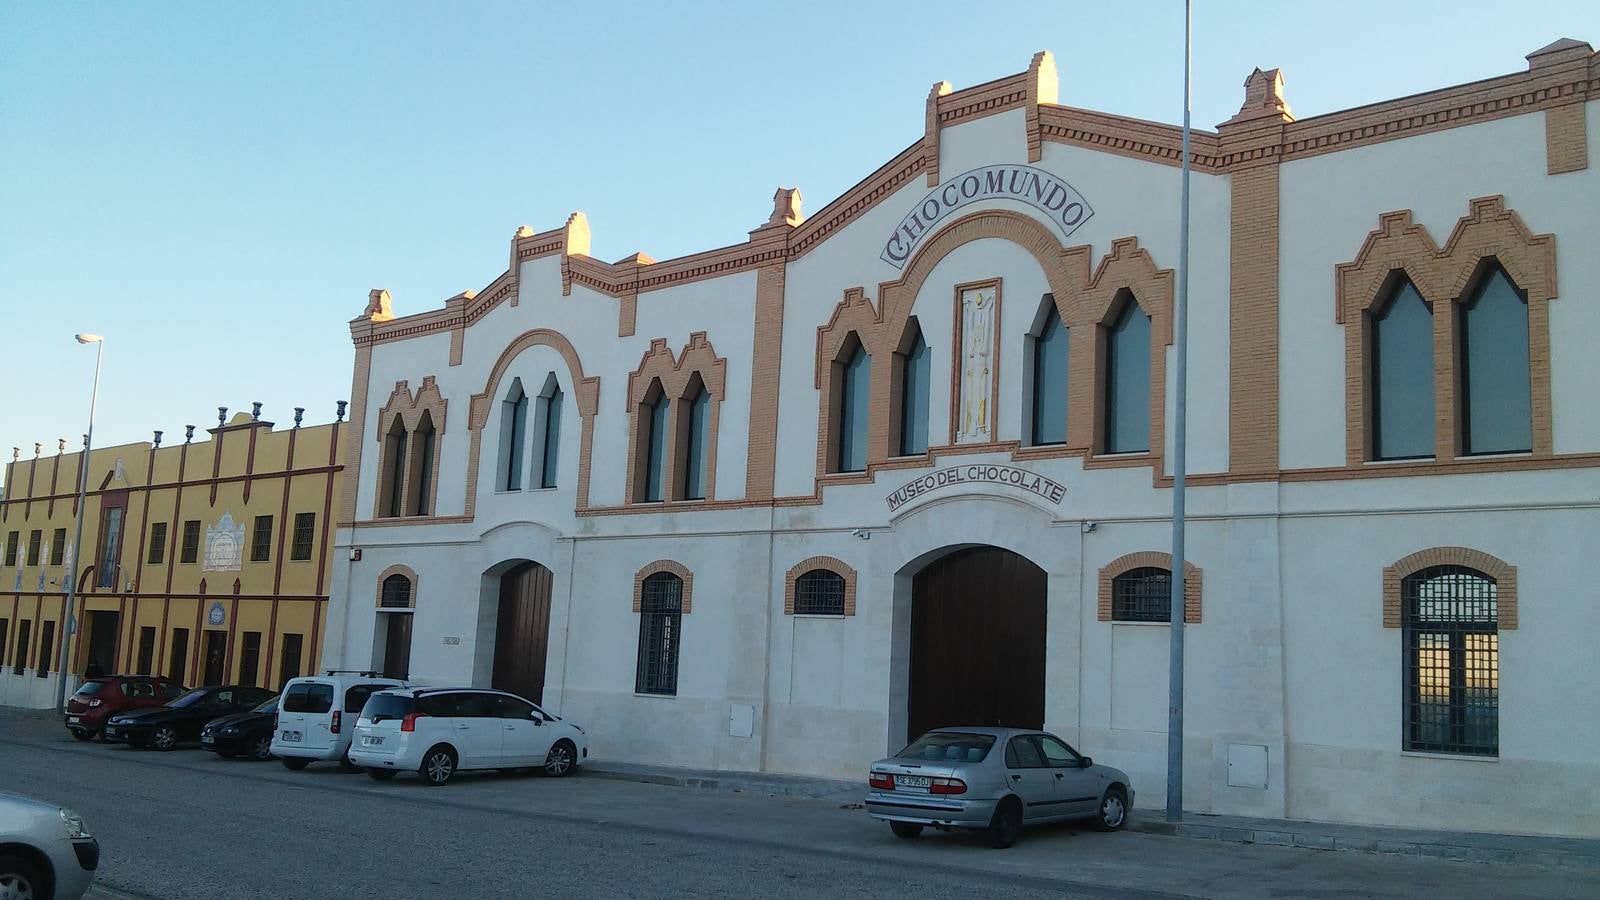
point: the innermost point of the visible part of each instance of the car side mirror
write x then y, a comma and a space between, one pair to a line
537, 719
1085, 762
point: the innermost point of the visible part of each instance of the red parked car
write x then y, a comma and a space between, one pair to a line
105, 696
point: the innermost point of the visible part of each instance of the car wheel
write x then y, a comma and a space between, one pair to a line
83, 734
381, 774
437, 766
1113, 809
165, 738
905, 829
294, 764
345, 765
20, 879
1006, 824
562, 759
261, 748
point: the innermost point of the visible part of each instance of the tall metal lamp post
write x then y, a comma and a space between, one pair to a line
1179, 465
77, 540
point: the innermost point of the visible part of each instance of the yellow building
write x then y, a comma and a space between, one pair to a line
205, 561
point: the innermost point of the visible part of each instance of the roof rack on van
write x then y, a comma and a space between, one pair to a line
363, 674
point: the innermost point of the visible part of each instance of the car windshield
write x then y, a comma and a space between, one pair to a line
271, 706
950, 746
189, 699
89, 689
387, 706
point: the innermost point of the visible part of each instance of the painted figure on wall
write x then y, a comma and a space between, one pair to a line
977, 366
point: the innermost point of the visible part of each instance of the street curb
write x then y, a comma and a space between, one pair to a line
774, 785
1380, 841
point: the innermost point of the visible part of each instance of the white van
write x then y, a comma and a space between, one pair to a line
317, 714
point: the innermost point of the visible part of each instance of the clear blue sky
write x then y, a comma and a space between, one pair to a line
216, 186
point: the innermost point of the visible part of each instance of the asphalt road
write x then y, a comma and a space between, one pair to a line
188, 824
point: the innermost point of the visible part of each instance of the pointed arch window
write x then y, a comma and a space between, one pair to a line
1127, 386
913, 370
394, 462
695, 424
652, 429
854, 380
420, 501
1049, 413
1496, 382
549, 431
513, 436
1402, 375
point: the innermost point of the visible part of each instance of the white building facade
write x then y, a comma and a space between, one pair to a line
906, 462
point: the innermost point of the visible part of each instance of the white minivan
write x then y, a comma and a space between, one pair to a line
437, 731
317, 713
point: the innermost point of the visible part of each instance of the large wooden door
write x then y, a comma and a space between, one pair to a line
977, 642
216, 656
522, 631
103, 628
397, 645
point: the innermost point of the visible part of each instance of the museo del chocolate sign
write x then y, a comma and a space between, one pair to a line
977, 473
1058, 200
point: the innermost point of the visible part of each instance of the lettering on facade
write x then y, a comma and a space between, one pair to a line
1058, 200
977, 473
224, 546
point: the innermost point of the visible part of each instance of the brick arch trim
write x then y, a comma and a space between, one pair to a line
1503, 573
1151, 558
397, 569
827, 563
676, 374
586, 391
663, 565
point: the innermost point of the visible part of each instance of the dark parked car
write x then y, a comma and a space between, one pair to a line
243, 733
165, 727
102, 697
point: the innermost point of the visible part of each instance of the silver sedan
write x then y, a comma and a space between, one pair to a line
994, 779
44, 851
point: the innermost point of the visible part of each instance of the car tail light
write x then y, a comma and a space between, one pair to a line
947, 786
883, 781
334, 728
409, 723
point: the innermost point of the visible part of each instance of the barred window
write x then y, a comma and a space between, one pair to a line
1452, 664
191, 541
35, 539
660, 621
1142, 595
261, 540
305, 529
58, 546
158, 544
396, 593
819, 592
11, 548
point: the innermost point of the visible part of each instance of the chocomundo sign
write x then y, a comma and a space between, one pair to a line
1041, 190
977, 473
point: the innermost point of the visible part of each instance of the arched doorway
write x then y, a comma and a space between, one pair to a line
977, 642
522, 631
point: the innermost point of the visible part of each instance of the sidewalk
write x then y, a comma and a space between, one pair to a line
1549, 852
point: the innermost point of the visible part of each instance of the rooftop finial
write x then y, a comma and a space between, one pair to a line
188, 433
222, 416
342, 405
255, 412
786, 207
299, 411
158, 440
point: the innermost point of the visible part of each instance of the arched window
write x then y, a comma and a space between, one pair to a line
913, 361
1049, 413
1452, 665
1142, 595
513, 436
420, 501
396, 593
653, 428
854, 380
696, 437
660, 621
1496, 384
1402, 376
819, 592
1127, 402
550, 431
394, 463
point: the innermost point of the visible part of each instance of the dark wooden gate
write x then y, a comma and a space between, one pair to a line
103, 628
216, 657
522, 631
397, 645
977, 642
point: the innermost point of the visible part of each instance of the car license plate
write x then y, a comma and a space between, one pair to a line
371, 741
913, 781
207, 739
112, 732
73, 720
292, 736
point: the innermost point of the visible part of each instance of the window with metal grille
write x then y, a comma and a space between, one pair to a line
660, 621
261, 540
158, 544
11, 548
305, 527
1142, 595
1452, 661
58, 547
396, 593
819, 592
35, 539
191, 541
